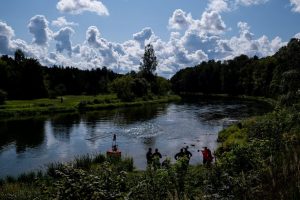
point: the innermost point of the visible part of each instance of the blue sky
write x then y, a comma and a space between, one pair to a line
112, 33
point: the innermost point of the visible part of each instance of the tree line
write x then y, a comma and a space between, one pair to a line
270, 76
26, 78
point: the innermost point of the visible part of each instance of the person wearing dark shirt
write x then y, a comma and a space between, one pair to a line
156, 153
187, 152
156, 156
179, 154
149, 156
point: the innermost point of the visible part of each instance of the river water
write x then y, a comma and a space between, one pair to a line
31, 144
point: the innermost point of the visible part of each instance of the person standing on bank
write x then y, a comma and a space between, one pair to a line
149, 156
187, 153
179, 154
207, 157
156, 156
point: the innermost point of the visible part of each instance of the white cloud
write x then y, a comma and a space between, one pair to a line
250, 2
229, 5
211, 22
97, 47
245, 31
218, 5
62, 22
143, 36
296, 5
38, 26
6, 34
63, 38
180, 20
80, 6
297, 36
246, 44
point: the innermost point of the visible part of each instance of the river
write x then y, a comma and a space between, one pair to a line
31, 144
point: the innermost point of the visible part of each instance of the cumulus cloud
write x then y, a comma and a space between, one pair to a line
296, 5
211, 22
8, 44
297, 36
143, 35
63, 38
246, 44
38, 26
100, 48
62, 22
229, 5
6, 34
80, 6
180, 20
218, 5
245, 31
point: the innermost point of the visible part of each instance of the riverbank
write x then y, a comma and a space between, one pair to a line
270, 101
72, 104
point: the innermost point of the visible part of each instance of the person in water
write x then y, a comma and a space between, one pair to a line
149, 156
207, 156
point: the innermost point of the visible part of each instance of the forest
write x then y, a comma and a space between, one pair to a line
271, 76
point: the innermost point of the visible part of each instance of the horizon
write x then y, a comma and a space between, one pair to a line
92, 34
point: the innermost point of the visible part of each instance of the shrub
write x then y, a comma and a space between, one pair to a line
79, 184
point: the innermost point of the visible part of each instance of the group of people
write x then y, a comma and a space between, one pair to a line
184, 152
154, 158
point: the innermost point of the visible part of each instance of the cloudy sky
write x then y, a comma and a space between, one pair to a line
95, 33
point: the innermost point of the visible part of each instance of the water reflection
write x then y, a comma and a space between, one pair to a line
23, 134
62, 125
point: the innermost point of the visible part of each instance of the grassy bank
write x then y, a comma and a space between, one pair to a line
259, 157
37, 107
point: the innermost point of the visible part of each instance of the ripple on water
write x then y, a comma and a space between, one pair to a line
144, 130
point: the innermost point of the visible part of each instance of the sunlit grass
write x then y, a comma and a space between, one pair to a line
37, 107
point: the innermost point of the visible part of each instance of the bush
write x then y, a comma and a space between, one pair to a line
79, 184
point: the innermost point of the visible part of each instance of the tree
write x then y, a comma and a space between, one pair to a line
122, 86
149, 63
19, 56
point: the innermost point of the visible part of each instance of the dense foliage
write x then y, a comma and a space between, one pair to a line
25, 78
270, 76
259, 158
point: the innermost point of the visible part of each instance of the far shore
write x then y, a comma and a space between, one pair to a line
72, 104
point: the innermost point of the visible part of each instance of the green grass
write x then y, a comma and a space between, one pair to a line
38, 107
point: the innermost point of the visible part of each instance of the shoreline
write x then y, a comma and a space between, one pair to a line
16, 109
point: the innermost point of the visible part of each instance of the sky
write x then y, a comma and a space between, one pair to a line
113, 33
